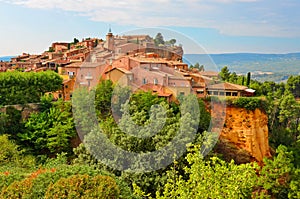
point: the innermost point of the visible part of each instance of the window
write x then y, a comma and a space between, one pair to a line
181, 93
144, 81
215, 93
155, 81
221, 93
66, 86
71, 74
234, 94
228, 93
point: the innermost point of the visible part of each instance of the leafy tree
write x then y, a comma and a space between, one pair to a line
213, 178
225, 74
277, 174
159, 39
233, 77
197, 66
201, 68
23, 88
205, 117
49, 132
172, 42
103, 97
289, 111
293, 85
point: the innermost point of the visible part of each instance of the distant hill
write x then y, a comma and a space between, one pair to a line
6, 58
264, 67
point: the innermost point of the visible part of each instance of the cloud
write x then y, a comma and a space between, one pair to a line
230, 17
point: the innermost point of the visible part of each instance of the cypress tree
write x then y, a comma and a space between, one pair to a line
248, 78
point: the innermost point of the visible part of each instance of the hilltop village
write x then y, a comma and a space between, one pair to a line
138, 61
53, 147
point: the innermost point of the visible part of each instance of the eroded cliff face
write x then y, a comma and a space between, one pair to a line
246, 129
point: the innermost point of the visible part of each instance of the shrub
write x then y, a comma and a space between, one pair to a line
7, 178
18, 189
22, 88
83, 186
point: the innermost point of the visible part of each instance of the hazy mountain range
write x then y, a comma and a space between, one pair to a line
264, 67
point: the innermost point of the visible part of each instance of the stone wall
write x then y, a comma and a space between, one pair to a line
26, 109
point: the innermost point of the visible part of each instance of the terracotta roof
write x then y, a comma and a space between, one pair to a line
149, 60
123, 70
74, 64
227, 86
209, 73
62, 61
201, 76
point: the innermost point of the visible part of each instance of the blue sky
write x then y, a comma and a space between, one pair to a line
217, 26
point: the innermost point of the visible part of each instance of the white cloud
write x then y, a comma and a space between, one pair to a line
218, 14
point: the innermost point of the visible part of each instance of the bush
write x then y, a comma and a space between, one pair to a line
7, 178
249, 103
44, 179
22, 88
11, 155
83, 186
8, 150
18, 189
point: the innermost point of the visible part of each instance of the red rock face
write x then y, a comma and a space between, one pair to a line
247, 130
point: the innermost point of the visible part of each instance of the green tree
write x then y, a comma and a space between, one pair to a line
289, 111
225, 74
103, 97
49, 132
277, 174
233, 77
248, 79
211, 178
172, 42
159, 39
293, 85
23, 88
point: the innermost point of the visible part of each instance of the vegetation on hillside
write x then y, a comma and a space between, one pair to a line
41, 158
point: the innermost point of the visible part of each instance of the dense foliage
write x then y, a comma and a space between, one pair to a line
22, 88
38, 159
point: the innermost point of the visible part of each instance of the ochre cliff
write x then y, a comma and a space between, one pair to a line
246, 129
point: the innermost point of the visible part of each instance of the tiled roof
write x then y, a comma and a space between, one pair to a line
74, 64
227, 86
123, 70
209, 73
